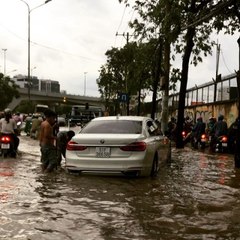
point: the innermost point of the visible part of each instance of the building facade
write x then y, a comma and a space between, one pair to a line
42, 85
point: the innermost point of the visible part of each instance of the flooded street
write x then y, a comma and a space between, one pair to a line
196, 197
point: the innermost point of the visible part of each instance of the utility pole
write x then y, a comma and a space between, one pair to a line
126, 36
237, 148
217, 76
85, 74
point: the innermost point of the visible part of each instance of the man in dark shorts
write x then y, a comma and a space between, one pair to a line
47, 142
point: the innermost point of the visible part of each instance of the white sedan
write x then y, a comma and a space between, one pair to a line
129, 145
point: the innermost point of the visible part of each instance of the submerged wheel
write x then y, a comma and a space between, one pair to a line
71, 171
155, 164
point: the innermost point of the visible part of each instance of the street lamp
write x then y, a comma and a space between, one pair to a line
85, 73
4, 49
29, 41
14, 70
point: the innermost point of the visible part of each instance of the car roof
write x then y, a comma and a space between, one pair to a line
130, 118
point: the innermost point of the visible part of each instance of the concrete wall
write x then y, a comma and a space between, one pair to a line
228, 109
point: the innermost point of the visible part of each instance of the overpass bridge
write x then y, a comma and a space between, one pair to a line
51, 98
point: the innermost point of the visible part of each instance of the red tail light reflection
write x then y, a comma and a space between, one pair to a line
224, 139
203, 136
135, 147
5, 139
73, 146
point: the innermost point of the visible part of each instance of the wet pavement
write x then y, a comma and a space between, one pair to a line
196, 197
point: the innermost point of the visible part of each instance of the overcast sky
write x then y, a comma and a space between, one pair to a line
70, 37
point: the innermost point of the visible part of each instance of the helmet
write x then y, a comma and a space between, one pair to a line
7, 111
220, 117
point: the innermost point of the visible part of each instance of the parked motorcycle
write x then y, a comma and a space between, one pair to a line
7, 146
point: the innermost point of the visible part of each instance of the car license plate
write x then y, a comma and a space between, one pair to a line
224, 144
5, 146
103, 152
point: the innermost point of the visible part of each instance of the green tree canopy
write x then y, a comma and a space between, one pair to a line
8, 90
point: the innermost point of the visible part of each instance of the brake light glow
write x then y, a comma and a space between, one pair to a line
73, 146
5, 139
203, 136
135, 147
183, 133
224, 139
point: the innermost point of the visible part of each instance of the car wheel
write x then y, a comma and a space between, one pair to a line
131, 174
155, 164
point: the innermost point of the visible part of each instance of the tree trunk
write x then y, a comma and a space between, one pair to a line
139, 102
183, 87
164, 120
156, 78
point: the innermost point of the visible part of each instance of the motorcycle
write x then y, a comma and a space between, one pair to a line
204, 140
222, 144
19, 124
187, 136
7, 145
219, 144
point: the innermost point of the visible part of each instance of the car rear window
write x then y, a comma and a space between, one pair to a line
114, 126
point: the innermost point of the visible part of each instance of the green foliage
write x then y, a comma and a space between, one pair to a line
8, 90
25, 107
128, 69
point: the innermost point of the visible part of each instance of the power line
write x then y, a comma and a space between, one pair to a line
225, 62
50, 48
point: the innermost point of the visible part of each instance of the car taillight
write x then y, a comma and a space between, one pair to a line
135, 147
73, 146
224, 139
5, 139
183, 133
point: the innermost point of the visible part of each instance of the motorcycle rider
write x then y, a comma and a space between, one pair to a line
210, 127
220, 127
9, 126
197, 131
233, 135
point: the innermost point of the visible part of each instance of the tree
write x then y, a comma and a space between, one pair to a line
128, 70
202, 17
158, 20
186, 25
8, 90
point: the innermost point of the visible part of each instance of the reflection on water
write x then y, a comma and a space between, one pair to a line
196, 197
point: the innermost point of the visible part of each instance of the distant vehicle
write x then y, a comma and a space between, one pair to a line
40, 109
61, 121
82, 114
125, 145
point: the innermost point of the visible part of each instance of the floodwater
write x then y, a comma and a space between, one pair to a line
196, 197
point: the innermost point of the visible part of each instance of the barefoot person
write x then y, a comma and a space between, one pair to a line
47, 142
